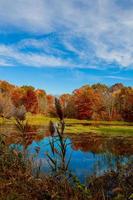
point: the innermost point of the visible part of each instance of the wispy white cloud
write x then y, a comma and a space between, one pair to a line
11, 54
104, 26
34, 53
5, 63
117, 77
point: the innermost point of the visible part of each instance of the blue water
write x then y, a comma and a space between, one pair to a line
82, 164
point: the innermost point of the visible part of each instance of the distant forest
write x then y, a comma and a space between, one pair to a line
95, 102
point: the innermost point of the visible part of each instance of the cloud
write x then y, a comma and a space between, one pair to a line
94, 31
117, 77
5, 63
14, 56
31, 15
38, 53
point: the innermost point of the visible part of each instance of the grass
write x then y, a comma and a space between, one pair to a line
111, 128
18, 182
42, 120
102, 130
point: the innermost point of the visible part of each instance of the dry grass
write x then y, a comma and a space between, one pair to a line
18, 182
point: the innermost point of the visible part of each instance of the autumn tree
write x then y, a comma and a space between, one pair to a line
30, 100
86, 102
42, 101
7, 109
67, 105
125, 103
17, 96
116, 87
108, 100
25, 96
6, 87
98, 102
51, 105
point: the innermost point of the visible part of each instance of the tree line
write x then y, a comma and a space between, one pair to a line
95, 102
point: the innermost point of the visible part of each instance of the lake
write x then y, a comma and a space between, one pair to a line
90, 154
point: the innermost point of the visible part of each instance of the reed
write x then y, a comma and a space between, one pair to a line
58, 143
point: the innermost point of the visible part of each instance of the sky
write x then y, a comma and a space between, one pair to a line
60, 45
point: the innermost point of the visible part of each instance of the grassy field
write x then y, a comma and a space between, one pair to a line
41, 120
111, 128
102, 130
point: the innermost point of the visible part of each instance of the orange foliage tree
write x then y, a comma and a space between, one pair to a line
87, 102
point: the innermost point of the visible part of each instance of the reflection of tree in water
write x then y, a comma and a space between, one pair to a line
83, 143
110, 162
120, 145
111, 152
36, 133
99, 144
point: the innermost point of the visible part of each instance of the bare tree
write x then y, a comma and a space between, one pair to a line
7, 109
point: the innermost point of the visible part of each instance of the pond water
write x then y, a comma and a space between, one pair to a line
91, 154
83, 163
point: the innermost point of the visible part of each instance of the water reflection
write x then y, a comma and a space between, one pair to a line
99, 144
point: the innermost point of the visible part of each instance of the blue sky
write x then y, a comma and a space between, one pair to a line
60, 45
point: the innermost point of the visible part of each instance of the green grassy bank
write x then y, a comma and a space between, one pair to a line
87, 126
102, 130
111, 128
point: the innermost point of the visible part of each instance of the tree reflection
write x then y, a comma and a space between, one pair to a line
99, 144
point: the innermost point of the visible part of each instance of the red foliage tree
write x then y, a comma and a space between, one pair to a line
87, 102
51, 105
125, 104
30, 101
17, 97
